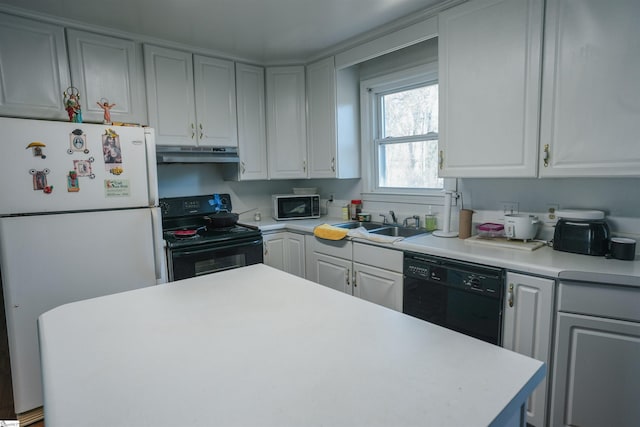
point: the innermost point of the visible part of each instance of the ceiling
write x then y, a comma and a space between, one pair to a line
261, 30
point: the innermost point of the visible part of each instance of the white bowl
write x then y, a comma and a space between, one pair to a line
305, 190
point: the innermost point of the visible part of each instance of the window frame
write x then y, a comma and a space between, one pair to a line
370, 89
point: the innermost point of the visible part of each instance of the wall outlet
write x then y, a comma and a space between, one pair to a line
551, 210
509, 207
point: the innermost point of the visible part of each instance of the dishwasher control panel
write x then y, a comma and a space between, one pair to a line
462, 275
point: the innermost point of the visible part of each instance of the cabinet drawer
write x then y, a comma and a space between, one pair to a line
337, 248
388, 259
617, 302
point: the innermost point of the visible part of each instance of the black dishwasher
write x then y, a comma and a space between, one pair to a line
458, 295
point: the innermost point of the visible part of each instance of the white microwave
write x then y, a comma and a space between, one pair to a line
295, 206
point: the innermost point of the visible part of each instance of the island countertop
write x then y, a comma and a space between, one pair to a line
257, 346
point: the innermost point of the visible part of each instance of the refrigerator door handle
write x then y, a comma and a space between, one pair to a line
158, 247
152, 169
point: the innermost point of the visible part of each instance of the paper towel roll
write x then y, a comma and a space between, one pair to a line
464, 230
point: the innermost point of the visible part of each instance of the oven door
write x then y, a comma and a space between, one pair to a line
466, 312
205, 259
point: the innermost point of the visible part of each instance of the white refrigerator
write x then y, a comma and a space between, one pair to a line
79, 218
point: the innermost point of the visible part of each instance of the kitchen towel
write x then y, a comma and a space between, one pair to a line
362, 233
330, 232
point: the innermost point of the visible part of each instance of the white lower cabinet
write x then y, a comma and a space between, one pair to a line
596, 372
332, 272
527, 329
377, 275
329, 262
285, 251
366, 271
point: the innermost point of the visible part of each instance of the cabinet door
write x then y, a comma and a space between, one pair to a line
321, 130
331, 272
528, 316
252, 134
489, 78
591, 95
596, 376
33, 68
274, 250
215, 94
286, 123
295, 254
169, 78
108, 68
379, 286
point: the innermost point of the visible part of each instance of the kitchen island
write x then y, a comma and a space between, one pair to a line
259, 347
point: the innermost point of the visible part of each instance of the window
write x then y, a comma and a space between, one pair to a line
400, 132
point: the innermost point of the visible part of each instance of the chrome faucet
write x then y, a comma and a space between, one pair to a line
416, 220
393, 217
384, 219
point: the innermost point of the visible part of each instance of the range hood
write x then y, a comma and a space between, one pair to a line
179, 154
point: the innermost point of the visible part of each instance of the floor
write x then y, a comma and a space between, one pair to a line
6, 391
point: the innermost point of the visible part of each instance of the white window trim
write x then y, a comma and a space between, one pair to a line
414, 75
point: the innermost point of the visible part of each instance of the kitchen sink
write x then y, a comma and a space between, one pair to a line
383, 229
397, 231
367, 225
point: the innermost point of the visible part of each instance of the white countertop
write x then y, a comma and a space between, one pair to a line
257, 346
543, 261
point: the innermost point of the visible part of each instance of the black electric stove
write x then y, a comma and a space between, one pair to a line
194, 247
180, 214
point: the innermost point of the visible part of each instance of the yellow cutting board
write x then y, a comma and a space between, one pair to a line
502, 242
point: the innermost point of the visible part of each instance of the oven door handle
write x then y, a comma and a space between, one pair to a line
183, 253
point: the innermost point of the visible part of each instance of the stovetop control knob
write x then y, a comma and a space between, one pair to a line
474, 282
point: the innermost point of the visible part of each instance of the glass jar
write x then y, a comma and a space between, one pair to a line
356, 208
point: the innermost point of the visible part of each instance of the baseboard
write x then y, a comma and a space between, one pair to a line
32, 416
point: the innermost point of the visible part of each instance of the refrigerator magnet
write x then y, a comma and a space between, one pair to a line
73, 186
40, 180
83, 167
78, 142
37, 147
116, 170
111, 150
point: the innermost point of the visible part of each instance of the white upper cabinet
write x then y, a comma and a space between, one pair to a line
109, 69
252, 134
333, 114
184, 114
215, 83
286, 122
591, 93
169, 78
489, 80
33, 69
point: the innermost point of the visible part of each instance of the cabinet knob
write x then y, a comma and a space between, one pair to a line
510, 294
